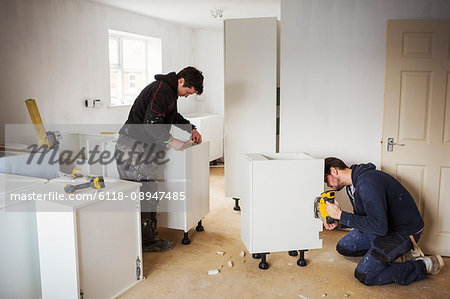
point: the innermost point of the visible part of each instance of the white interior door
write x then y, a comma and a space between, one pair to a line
417, 117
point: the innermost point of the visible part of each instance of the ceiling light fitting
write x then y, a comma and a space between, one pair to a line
216, 13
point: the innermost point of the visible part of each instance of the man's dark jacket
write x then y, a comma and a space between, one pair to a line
381, 204
154, 110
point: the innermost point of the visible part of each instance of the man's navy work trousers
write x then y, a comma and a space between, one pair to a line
377, 266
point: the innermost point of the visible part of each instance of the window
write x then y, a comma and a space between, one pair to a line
133, 62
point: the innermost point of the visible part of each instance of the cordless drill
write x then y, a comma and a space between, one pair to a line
95, 182
320, 206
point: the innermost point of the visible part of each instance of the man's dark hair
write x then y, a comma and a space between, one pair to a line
192, 78
334, 162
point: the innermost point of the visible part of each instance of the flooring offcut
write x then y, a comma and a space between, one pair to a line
183, 271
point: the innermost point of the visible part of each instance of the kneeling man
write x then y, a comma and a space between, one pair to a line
385, 216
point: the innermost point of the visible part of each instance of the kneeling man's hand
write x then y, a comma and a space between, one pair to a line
331, 226
334, 210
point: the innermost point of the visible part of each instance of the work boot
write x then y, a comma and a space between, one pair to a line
157, 245
150, 240
433, 263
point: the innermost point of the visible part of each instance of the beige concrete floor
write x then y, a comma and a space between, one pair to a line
182, 272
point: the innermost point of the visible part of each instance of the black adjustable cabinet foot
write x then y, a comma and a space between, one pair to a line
186, 240
199, 227
236, 204
263, 265
293, 253
256, 256
301, 260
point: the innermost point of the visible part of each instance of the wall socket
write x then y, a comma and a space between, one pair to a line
90, 103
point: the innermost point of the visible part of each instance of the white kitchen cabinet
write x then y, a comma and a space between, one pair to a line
210, 127
188, 172
89, 248
19, 255
278, 202
250, 49
16, 162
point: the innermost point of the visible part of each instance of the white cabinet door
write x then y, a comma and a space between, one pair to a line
19, 255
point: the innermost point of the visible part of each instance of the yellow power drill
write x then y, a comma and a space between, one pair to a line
320, 206
94, 182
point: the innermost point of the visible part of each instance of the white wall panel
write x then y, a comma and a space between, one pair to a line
332, 72
57, 53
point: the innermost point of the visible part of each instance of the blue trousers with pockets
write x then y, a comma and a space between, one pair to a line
377, 266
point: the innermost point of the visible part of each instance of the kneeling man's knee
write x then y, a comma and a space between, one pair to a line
341, 249
362, 277
348, 252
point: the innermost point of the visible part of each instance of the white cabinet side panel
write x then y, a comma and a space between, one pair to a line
250, 93
19, 256
246, 205
199, 184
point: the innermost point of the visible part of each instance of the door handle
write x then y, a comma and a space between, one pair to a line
391, 143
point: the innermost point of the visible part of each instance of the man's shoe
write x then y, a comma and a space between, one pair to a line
413, 253
433, 263
157, 246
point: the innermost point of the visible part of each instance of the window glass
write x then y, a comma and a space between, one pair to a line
134, 60
134, 54
113, 51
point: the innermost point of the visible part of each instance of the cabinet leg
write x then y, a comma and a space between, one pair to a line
186, 240
263, 265
301, 260
236, 204
199, 227
293, 253
256, 256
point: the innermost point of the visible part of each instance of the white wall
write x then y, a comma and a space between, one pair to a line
56, 51
332, 73
209, 59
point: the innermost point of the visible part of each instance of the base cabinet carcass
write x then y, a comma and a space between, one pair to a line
278, 202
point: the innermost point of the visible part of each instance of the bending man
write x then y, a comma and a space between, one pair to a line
144, 137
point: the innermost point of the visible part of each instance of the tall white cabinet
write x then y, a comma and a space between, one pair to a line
250, 49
